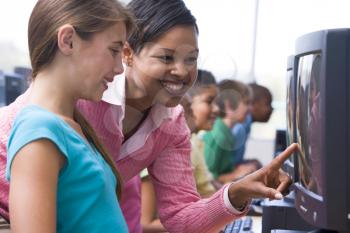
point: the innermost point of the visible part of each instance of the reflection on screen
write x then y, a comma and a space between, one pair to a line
308, 122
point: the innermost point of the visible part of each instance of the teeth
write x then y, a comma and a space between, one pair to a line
173, 86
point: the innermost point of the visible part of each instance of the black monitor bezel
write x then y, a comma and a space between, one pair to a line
291, 166
331, 211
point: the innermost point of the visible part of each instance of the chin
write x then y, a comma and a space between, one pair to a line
96, 98
172, 102
208, 128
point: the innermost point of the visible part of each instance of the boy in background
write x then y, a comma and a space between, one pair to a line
260, 111
233, 103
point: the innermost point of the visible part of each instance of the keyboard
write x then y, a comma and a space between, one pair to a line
242, 225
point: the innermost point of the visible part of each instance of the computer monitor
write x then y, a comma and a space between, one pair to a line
322, 128
11, 86
25, 72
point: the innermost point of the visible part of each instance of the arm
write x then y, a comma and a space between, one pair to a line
267, 182
179, 205
181, 209
34, 176
149, 218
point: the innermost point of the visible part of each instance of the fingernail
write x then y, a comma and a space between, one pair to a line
278, 196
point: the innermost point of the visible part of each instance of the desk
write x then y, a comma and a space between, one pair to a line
256, 226
4, 226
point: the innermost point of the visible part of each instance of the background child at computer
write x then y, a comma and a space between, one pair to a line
200, 117
233, 103
260, 111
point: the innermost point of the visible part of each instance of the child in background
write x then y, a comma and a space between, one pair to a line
233, 102
260, 111
149, 215
201, 116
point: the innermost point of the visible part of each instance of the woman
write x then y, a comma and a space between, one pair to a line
61, 177
143, 126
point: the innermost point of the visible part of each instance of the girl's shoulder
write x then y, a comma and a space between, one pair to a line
33, 116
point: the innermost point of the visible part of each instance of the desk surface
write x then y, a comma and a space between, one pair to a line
256, 227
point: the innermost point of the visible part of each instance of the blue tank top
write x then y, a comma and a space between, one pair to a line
86, 197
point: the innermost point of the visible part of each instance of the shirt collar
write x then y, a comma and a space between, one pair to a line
115, 95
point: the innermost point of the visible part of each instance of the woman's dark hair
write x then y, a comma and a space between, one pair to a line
155, 17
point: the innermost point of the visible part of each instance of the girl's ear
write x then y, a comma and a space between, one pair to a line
128, 54
65, 39
229, 111
227, 106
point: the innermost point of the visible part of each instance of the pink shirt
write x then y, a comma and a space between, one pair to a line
162, 144
7, 116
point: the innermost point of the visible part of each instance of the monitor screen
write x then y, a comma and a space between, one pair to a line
308, 118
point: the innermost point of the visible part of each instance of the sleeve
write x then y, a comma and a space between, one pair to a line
30, 126
240, 135
179, 205
201, 172
213, 154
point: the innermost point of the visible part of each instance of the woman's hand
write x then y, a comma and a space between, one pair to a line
267, 182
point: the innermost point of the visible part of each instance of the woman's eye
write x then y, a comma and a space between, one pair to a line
166, 59
191, 60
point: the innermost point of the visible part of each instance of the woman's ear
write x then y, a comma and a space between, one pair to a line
65, 39
128, 54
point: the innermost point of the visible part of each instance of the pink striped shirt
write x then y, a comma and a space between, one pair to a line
162, 144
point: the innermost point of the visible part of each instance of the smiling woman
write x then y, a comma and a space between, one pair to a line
164, 69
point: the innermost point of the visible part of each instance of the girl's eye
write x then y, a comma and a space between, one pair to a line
210, 101
114, 52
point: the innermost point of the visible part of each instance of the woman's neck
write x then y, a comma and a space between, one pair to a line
136, 97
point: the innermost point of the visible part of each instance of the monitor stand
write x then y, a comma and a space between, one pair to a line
281, 214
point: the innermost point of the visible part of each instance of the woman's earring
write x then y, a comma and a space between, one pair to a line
129, 62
